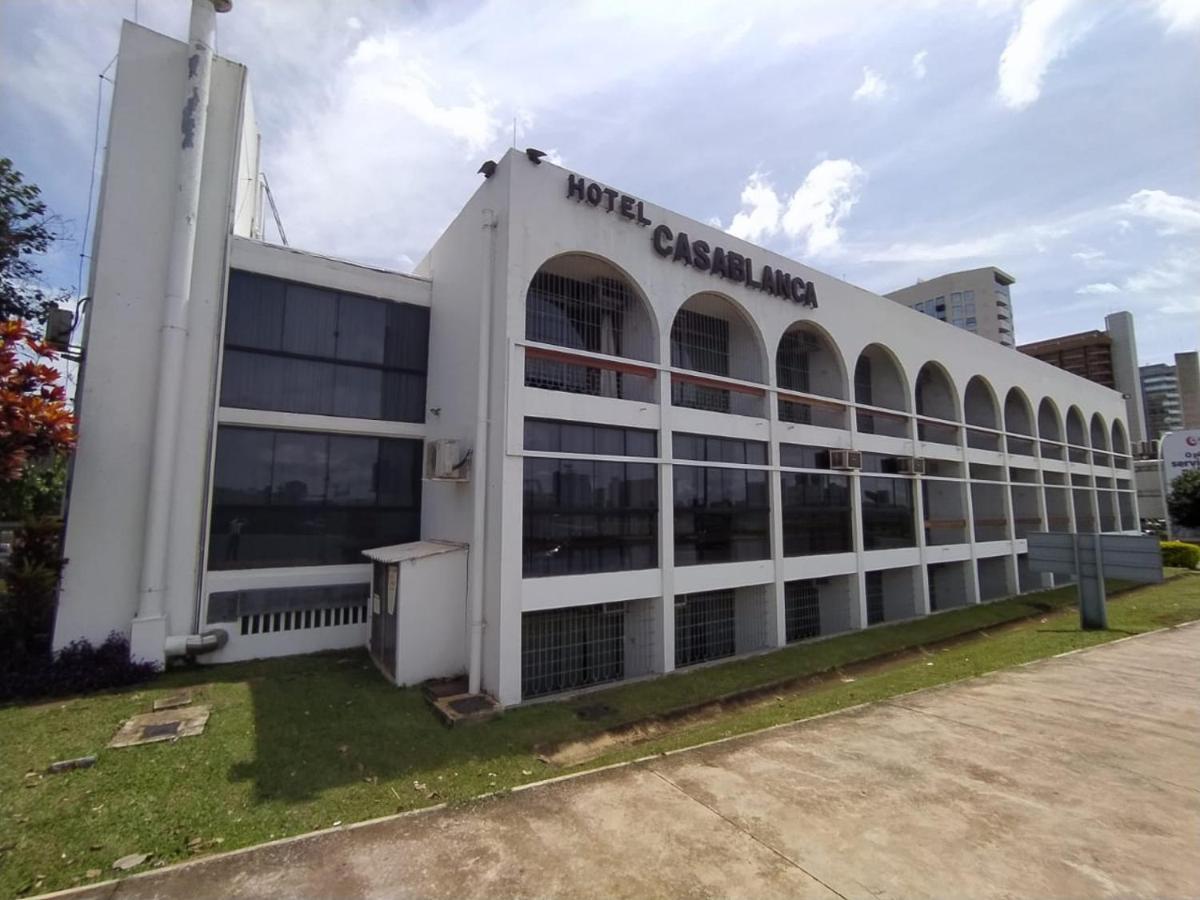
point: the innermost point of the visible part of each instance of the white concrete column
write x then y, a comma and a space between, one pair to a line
664, 618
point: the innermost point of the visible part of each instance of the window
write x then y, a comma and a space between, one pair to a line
721, 515
554, 436
887, 513
584, 515
565, 649
292, 347
700, 343
704, 627
874, 597
707, 448
956, 299
802, 610
971, 321
968, 296
920, 306
816, 514
292, 498
802, 456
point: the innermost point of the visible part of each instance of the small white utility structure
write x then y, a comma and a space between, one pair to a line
419, 610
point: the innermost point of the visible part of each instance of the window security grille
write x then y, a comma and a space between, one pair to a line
566, 649
704, 627
792, 371
302, 619
700, 343
874, 598
802, 610
579, 315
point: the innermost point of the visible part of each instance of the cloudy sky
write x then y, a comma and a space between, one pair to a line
880, 141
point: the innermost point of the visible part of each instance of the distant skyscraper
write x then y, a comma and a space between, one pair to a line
976, 300
1106, 357
1161, 396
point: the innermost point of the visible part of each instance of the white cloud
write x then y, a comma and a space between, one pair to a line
918, 65
814, 212
354, 23
761, 209
1173, 212
873, 86
1101, 287
1090, 255
1045, 32
1179, 15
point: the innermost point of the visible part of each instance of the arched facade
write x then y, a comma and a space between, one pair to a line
1018, 423
582, 302
980, 409
1076, 435
879, 381
712, 335
807, 361
936, 397
1050, 429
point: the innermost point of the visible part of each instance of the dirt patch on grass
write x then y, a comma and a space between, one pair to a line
583, 750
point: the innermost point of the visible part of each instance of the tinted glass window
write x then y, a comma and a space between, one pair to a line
708, 448
887, 513
297, 348
585, 515
288, 498
721, 515
800, 456
816, 514
552, 436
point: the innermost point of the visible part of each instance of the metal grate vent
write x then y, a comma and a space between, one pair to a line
704, 627
874, 598
303, 619
802, 610
566, 649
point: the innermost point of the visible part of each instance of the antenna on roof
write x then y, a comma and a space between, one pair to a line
514, 141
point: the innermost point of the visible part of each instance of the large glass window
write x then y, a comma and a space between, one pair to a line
887, 513
296, 348
555, 436
710, 448
721, 515
584, 515
816, 514
292, 498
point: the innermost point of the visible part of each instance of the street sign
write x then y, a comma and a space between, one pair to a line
1091, 558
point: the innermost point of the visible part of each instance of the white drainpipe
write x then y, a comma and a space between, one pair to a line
173, 333
479, 455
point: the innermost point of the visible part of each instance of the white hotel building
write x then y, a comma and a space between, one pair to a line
666, 445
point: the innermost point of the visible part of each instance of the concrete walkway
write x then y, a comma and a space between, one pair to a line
1072, 777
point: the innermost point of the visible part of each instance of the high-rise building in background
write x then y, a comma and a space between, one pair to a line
976, 300
1107, 357
1171, 395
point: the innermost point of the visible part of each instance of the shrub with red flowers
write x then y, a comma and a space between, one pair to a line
35, 419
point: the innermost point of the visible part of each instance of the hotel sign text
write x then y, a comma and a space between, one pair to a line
699, 254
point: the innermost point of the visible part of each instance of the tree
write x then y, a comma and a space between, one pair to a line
26, 230
35, 421
1183, 501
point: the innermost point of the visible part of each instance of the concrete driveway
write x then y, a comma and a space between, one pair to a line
1072, 777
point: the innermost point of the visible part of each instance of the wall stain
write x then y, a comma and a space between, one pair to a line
189, 119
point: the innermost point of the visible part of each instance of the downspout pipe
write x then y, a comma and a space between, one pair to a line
152, 585
477, 552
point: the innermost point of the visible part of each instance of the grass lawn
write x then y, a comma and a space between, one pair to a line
308, 742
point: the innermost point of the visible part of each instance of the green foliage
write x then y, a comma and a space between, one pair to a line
1183, 502
27, 606
1180, 555
26, 230
38, 492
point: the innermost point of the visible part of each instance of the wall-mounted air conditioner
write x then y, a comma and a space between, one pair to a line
446, 461
910, 465
845, 459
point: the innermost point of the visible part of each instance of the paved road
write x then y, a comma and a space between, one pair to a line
1072, 777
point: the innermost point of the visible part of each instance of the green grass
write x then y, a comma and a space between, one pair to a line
302, 743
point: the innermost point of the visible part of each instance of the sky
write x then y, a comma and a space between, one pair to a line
879, 141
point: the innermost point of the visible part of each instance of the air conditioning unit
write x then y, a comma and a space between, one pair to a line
58, 328
445, 461
845, 459
910, 465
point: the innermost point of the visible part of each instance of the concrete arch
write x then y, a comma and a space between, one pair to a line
879, 379
1018, 413
1098, 433
822, 372
934, 393
1049, 421
1076, 430
584, 301
1120, 439
736, 350
980, 405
